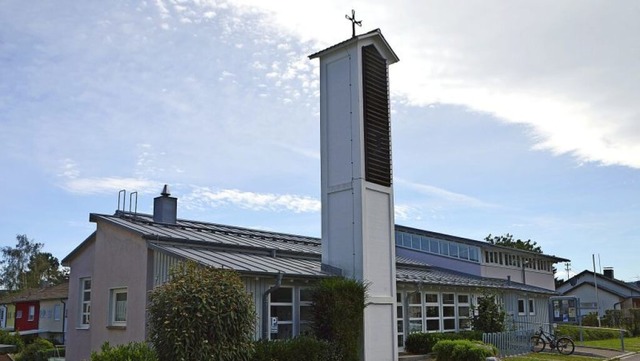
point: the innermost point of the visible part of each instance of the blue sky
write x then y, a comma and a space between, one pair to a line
513, 117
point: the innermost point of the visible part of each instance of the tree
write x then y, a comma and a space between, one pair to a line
338, 314
490, 316
508, 241
202, 313
24, 266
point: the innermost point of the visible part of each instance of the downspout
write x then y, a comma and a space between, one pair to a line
265, 307
64, 318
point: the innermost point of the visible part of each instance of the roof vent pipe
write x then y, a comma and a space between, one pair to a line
165, 207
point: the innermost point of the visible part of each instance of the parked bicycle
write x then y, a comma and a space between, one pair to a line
540, 339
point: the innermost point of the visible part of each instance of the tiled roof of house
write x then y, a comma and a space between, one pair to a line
60, 291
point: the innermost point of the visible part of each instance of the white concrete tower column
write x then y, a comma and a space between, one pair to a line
357, 192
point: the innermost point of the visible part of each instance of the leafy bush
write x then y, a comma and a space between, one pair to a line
338, 314
292, 349
138, 351
202, 313
456, 350
422, 343
8, 339
45, 355
38, 344
590, 319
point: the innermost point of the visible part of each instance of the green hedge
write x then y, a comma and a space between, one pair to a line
292, 349
457, 350
138, 351
588, 334
422, 343
338, 314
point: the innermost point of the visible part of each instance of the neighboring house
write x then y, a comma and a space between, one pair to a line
38, 312
7, 313
600, 292
437, 285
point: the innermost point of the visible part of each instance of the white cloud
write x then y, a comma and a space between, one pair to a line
109, 185
203, 197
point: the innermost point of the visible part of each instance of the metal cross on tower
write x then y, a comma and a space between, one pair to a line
354, 22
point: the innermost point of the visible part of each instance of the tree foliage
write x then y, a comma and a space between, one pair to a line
338, 314
202, 313
490, 316
25, 266
508, 241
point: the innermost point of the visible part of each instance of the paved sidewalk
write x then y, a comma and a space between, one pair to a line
604, 353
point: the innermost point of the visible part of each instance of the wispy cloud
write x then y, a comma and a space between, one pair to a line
204, 197
109, 185
443, 195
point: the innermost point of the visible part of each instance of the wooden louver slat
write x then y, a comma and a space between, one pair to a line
377, 129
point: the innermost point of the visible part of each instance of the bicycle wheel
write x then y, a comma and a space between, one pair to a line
565, 346
537, 344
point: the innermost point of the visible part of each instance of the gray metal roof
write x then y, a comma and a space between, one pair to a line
244, 262
262, 252
212, 234
439, 276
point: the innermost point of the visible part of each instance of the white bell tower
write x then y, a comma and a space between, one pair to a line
357, 192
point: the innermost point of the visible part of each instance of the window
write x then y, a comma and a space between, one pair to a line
118, 307
464, 312
432, 310
532, 307
521, 310
306, 311
85, 302
400, 319
415, 311
56, 312
18, 314
32, 313
282, 313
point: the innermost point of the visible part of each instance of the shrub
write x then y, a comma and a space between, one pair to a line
590, 319
490, 317
138, 351
202, 313
456, 350
45, 355
588, 334
338, 314
30, 350
8, 339
422, 343
292, 349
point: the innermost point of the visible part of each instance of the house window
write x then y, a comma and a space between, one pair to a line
432, 310
32, 313
532, 307
464, 312
56, 312
306, 311
400, 319
415, 311
18, 314
521, 310
118, 308
282, 311
85, 302
448, 312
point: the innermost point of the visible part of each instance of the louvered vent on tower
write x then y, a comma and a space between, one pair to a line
377, 129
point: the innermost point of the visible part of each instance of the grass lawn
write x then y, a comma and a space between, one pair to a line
550, 357
630, 344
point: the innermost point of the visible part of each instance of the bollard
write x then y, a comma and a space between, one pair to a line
622, 339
